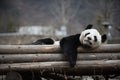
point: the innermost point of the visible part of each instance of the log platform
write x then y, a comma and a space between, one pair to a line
104, 60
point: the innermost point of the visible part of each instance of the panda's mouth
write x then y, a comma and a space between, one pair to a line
87, 42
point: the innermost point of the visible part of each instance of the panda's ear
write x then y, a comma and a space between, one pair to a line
89, 26
104, 38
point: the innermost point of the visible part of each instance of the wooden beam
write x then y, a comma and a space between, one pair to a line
92, 67
11, 58
53, 49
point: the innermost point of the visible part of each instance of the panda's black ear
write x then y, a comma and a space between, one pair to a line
104, 38
89, 26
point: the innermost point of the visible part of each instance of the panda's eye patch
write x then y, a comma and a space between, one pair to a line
87, 34
89, 38
95, 38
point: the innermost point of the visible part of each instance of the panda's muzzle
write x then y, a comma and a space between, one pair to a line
88, 41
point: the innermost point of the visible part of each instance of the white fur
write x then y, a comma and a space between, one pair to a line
93, 32
56, 43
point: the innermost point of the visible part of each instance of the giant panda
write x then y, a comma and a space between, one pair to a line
89, 38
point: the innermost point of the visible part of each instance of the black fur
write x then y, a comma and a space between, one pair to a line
104, 38
87, 34
95, 38
89, 26
69, 47
46, 41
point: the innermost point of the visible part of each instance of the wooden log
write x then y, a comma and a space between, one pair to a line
28, 49
11, 58
53, 49
93, 67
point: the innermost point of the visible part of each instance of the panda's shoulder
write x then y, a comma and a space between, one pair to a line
70, 38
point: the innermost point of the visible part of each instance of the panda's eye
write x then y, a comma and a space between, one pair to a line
87, 34
95, 38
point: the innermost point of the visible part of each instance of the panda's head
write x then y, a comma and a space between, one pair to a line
91, 37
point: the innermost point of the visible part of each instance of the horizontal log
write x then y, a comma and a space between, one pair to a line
28, 49
82, 67
53, 49
11, 58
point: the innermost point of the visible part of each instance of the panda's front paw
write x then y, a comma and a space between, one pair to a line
72, 63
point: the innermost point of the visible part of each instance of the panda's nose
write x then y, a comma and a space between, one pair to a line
89, 38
